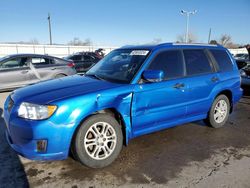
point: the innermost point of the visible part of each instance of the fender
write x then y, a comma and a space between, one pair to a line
85, 106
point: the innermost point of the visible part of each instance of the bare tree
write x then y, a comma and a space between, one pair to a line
78, 42
191, 38
33, 41
225, 39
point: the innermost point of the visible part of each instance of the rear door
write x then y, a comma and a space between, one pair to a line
14, 72
43, 68
202, 79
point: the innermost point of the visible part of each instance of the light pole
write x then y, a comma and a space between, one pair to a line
50, 35
187, 13
209, 35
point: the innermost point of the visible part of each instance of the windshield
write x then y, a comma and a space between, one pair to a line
239, 55
5, 57
119, 65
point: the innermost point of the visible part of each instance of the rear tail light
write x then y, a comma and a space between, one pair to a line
71, 64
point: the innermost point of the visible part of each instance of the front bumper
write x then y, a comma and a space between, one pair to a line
32, 154
23, 135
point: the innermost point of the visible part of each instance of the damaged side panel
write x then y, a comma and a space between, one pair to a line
122, 104
87, 105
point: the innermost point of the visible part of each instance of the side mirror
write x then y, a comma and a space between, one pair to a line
153, 75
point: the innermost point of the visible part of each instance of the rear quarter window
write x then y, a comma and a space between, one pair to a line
222, 59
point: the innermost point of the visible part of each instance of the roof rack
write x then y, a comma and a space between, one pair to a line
196, 44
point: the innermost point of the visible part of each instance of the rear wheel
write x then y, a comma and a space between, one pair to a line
98, 141
219, 112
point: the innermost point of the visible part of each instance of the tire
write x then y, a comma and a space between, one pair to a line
98, 141
60, 75
219, 112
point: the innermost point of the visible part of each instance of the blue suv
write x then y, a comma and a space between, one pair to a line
134, 90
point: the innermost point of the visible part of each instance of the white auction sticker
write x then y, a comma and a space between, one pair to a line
139, 52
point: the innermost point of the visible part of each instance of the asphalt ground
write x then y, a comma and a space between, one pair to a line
190, 155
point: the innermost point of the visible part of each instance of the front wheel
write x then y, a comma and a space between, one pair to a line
98, 141
219, 112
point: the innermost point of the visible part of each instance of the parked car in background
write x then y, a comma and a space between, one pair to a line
245, 76
131, 92
84, 60
244, 68
240, 56
24, 69
243, 64
245, 57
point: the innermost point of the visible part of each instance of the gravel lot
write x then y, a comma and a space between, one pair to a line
191, 155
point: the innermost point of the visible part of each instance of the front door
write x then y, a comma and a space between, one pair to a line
162, 104
14, 73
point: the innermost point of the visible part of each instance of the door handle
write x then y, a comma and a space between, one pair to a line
24, 71
214, 79
53, 69
178, 85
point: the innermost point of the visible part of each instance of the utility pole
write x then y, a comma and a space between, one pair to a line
187, 13
50, 36
209, 36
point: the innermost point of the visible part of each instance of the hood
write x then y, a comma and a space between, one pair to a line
53, 90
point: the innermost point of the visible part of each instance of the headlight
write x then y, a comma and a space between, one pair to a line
35, 111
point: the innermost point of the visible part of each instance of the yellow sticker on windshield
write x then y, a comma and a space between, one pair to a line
139, 52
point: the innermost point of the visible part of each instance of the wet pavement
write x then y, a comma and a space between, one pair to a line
190, 155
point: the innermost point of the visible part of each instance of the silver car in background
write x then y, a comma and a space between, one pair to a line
24, 69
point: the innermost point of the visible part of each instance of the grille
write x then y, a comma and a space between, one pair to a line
10, 104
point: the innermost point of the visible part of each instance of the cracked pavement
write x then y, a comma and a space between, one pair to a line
191, 155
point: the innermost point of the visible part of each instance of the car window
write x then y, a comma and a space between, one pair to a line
76, 58
51, 61
222, 60
13, 63
40, 61
170, 62
196, 62
88, 58
239, 55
